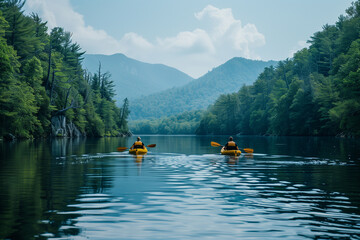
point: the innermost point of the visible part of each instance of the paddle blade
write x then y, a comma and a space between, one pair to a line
215, 144
151, 145
121, 149
248, 150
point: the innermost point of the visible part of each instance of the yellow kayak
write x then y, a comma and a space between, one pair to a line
138, 151
230, 152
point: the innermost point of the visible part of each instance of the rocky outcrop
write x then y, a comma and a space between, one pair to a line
73, 131
60, 128
9, 137
125, 134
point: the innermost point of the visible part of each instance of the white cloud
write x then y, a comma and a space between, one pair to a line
132, 44
202, 49
197, 41
60, 14
194, 51
224, 28
220, 20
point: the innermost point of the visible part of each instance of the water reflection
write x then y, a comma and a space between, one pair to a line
182, 189
138, 160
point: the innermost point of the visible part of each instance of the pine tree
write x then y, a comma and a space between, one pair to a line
21, 32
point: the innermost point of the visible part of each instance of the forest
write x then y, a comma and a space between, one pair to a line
44, 91
317, 92
184, 123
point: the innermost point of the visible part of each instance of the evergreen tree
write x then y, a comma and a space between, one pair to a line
315, 93
41, 78
21, 31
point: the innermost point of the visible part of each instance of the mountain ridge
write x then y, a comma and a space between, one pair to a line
133, 78
199, 93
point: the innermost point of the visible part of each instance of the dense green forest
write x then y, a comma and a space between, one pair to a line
184, 123
43, 89
317, 92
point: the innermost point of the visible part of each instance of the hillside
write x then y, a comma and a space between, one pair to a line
133, 78
183, 123
46, 95
315, 93
199, 93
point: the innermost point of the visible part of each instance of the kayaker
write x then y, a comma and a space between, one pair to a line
231, 145
138, 144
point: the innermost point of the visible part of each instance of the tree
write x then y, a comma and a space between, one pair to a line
21, 31
346, 112
32, 76
8, 66
124, 113
41, 79
41, 34
325, 96
323, 47
317, 92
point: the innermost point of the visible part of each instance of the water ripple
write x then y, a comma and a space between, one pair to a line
176, 196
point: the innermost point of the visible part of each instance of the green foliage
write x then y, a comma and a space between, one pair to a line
21, 29
123, 113
347, 115
8, 84
41, 77
3, 25
185, 123
317, 92
24, 122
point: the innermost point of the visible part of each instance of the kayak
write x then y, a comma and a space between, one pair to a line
230, 152
138, 151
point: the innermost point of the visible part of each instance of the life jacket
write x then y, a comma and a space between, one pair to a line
138, 144
231, 145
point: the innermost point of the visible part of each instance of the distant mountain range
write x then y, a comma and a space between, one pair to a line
200, 93
133, 78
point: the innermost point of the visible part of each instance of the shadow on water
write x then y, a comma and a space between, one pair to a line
291, 187
39, 178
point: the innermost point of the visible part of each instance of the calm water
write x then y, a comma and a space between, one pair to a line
290, 188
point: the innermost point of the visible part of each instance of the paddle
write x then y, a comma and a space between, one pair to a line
247, 150
121, 149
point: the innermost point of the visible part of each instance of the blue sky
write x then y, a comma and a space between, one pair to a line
193, 36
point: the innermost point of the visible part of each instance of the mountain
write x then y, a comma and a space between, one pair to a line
133, 78
200, 93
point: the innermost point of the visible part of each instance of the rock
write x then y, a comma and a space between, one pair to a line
9, 137
60, 128
73, 131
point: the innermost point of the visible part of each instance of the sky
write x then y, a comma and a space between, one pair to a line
193, 36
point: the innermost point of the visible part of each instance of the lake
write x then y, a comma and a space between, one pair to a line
290, 188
